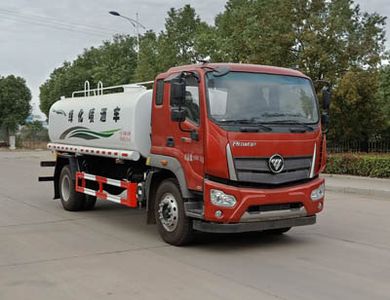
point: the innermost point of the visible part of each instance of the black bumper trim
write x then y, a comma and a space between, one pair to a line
46, 178
252, 226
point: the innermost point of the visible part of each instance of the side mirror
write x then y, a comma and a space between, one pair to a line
178, 91
178, 114
326, 97
325, 122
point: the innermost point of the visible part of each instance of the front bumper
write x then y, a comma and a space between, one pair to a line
249, 197
252, 226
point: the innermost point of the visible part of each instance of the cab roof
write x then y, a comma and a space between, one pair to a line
239, 68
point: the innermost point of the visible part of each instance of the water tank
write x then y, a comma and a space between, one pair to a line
118, 121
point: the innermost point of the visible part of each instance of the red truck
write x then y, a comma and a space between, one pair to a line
213, 147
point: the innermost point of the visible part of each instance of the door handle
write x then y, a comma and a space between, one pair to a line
194, 135
170, 141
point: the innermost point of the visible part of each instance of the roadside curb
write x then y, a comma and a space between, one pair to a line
331, 185
348, 190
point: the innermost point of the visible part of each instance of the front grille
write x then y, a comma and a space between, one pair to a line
256, 170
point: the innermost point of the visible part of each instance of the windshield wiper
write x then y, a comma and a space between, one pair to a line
268, 114
218, 71
292, 122
253, 121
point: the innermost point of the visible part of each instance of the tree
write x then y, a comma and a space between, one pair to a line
15, 99
148, 63
181, 42
34, 131
178, 42
113, 63
61, 82
334, 36
332, 40
324, 39
258, 31
384, 98
356, 110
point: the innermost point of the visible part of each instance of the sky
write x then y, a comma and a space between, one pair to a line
37, 36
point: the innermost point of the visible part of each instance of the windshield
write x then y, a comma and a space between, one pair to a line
265, 98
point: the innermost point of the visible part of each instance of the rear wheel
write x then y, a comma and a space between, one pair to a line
89, 202
173, 225
70, 199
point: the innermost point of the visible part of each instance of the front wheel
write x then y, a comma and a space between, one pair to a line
173, 225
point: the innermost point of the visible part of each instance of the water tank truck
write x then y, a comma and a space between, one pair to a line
221, 148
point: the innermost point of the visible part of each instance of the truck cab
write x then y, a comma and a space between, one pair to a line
244, 143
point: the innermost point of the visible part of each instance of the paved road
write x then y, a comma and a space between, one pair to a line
109, 253
379, 187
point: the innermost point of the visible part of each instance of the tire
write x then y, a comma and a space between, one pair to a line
278, 231
70, 199
89, 202
174, 226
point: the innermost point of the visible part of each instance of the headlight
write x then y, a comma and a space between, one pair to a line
219, 198
318, 193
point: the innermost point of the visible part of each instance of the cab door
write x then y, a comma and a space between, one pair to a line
184, 140
190, 133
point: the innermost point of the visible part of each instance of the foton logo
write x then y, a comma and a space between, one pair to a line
243, 144
276, 163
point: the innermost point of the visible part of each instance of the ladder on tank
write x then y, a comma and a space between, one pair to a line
99, 91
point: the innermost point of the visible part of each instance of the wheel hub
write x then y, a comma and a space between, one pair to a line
168, 212
65, 188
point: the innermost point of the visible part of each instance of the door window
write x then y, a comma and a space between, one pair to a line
191, 101
159, 92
